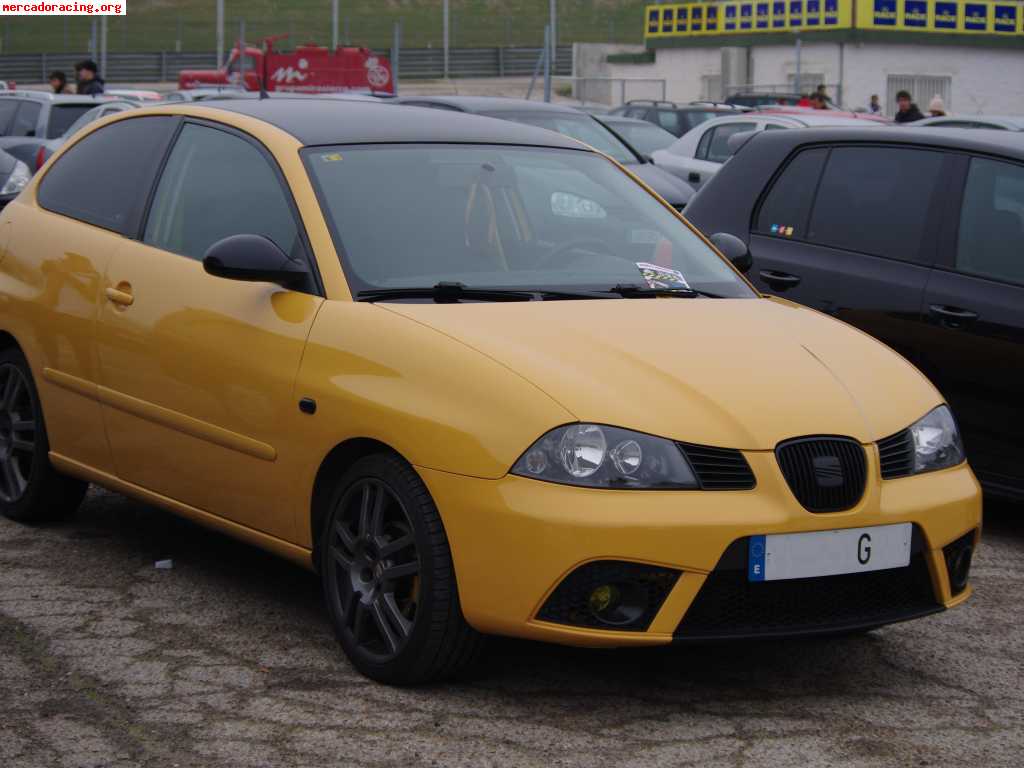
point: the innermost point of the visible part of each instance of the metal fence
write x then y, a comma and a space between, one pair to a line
163, 66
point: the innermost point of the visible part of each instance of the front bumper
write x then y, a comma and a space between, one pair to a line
514, 540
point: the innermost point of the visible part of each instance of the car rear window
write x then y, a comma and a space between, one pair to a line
875, 200
62, 116
7, 109
105, 178
693, 118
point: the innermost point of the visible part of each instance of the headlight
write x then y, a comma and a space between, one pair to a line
937, 442
596, 456
17, 180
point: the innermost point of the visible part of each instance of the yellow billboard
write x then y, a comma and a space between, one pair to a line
765, 16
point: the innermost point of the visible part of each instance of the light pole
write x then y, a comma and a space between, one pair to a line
334, 24
220, 33
553, 13
444, 14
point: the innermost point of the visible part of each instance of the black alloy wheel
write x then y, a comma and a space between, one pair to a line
388, 577
31, 490
376, 564
17, 433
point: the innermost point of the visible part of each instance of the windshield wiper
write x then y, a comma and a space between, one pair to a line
451, 293
637, 291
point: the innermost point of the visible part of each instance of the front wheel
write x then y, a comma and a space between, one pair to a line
388, 577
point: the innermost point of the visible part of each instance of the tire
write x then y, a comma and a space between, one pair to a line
31, 490
388, 577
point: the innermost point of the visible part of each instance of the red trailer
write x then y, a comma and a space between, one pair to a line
307, 69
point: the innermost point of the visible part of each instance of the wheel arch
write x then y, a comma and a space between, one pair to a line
335, 464
8, 341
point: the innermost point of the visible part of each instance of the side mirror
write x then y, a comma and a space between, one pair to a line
254, 258
734, 249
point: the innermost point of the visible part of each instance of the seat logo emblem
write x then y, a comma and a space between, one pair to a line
828, 471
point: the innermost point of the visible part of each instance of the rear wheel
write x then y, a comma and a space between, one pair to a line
388, 577
31, 490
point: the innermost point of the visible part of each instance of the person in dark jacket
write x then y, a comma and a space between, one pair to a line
89, 83
908, 111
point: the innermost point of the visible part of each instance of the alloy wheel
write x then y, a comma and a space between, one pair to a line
376, 567
17, 433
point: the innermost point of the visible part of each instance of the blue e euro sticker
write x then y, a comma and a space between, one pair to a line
662, 277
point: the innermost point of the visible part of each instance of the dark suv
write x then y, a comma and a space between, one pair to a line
677, 119
916, 237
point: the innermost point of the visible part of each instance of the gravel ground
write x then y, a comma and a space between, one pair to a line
228, 660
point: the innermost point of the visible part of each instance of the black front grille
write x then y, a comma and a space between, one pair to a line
570, 602
896, 455
719, 469
730, 606
826, 474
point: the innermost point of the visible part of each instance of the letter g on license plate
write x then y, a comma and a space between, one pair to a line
828, 553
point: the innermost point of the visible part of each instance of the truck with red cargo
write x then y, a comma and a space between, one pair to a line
308, 69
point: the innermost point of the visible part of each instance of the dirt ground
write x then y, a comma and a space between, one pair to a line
228, 660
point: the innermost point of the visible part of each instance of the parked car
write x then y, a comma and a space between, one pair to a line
832, 112
755, 99
697, 156
208, 92
569, 122
103, 109
677, 119
133, 94
14, 175
915, 238
471, 372
646, 138
30, 118
995, 122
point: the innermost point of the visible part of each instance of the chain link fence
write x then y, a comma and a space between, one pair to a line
190, 25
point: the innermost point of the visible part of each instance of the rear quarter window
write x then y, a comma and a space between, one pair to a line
787, 207
105, 178
7, 109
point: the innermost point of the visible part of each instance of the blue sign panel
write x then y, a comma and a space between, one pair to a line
975, 16
945, 15
813, 13
652, 21
885, 13
915, 13
730, 17
796, 13
682, 17
762, 16
1006, 18
779, 14
667, 19
712, 18
831, 12
746, 14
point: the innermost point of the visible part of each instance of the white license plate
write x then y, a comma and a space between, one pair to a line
828, 553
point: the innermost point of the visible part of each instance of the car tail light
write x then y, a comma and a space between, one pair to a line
40, 157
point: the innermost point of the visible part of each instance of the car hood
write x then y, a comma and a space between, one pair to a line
676, 192
737, 373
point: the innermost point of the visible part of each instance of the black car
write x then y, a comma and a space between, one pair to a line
677, 119
567, 121
916, 237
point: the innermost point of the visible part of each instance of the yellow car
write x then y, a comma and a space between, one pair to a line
472, 372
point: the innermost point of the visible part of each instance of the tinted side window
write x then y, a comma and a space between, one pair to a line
875, 200
62, 116
7, 109
715, 143
789, 201
991, 239
217, 184
26, 119
104, 179
669, 120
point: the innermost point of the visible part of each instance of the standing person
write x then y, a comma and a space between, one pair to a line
908, 111
89, 83
58, 81
937, 107
821, 95
819, 101
874, 106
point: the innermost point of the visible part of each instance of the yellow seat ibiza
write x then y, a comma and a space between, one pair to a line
474, 374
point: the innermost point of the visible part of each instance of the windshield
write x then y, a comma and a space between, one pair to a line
502, 217
645, 138
63, 115
580, 127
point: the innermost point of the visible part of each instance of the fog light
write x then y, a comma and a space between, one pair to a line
602, 598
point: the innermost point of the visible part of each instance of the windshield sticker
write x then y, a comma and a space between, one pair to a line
331, 157
575, 207
661, 277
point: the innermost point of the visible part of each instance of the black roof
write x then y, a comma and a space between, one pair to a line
491, 104
984, 140
338, 121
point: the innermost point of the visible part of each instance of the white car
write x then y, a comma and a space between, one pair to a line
700, 152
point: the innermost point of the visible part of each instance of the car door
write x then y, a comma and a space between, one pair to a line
90, 202
198, 370
851, 230
973, 348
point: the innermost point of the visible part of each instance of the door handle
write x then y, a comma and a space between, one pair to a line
780, 281
952, 316
121, 295
694, 177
